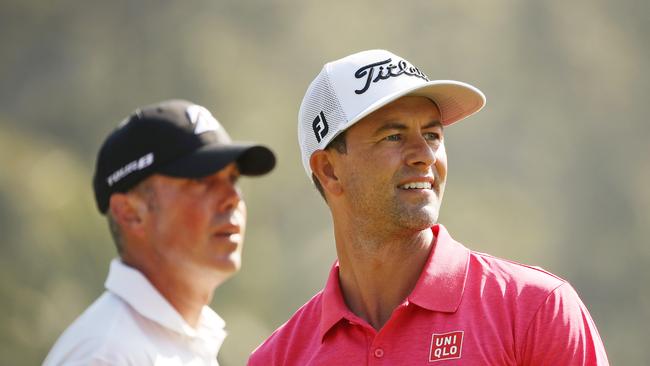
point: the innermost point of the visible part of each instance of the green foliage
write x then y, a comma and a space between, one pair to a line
553, 172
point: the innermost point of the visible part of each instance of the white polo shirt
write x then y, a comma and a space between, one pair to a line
132, 324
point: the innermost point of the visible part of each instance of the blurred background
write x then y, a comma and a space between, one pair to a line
553, 172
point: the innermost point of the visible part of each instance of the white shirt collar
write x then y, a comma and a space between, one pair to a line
133, 287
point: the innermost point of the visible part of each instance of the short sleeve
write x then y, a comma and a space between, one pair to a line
563, 333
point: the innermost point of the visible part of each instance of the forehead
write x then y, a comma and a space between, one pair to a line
403, 110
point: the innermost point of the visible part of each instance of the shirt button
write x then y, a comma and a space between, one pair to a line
379, 352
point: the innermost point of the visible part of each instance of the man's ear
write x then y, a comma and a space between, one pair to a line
322, 165
128, 210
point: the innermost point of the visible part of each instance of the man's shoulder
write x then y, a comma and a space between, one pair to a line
516, 275
305, 320
105, 327
301, 329
105, 316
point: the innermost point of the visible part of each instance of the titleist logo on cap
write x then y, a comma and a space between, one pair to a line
386, 69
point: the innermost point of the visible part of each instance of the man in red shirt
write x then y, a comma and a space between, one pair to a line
403, 292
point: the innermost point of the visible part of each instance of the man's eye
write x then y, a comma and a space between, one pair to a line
200, 182
432, 136
395, 137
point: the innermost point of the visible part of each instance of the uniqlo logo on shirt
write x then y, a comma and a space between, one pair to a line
446, 346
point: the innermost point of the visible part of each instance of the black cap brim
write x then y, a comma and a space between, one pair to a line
251, 160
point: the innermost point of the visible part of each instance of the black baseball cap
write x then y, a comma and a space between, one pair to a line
175, 138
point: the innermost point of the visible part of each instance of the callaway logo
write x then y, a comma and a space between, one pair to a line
129, 168
320, 126
202, 119
384, 70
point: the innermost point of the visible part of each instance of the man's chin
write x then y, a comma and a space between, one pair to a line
226, 265
421, 219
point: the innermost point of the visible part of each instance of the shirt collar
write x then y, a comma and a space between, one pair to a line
334, 307
442, 281
133, 287
439, 288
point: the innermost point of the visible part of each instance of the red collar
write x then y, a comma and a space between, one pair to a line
439, 288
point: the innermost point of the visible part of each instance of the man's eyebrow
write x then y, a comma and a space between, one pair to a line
401, 127
434, 123
390, 126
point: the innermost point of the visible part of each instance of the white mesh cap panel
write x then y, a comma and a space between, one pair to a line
320, 101
350, 88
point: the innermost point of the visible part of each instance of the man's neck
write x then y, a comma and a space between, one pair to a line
188, 299
187, 292
377, 274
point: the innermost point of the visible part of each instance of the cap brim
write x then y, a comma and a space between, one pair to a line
455, 100
251, 160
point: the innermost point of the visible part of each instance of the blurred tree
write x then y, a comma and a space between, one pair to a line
553, 172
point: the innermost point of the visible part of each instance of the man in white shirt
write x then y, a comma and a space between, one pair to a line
166, 178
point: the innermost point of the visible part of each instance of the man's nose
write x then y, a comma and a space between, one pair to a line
229, 196
420, 153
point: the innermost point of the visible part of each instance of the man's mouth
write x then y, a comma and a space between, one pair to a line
227, 230
415, 185
226, 233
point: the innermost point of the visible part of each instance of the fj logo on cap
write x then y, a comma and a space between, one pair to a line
446, 346
384, 70
202, 119
320, 126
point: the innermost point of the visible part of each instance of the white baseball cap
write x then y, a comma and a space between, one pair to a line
348, 89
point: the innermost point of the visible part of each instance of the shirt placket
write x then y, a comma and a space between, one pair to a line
379, 352
376, 350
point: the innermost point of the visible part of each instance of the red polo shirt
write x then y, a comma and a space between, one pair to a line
467, 308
